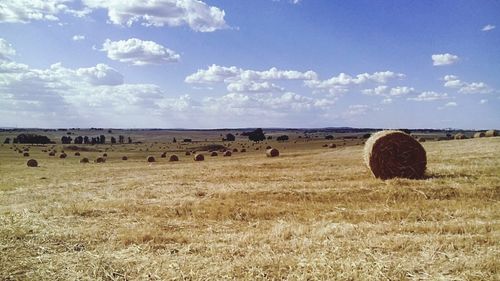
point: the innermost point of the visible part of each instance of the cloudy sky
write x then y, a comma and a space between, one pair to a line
249, 63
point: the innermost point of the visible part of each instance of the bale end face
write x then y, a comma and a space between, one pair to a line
272, 152
84, 160
391, 154
173, 158
151, 159
199, 157
227, 153
124, 158
32, 163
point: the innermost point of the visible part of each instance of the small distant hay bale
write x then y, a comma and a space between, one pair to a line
173, 158
479, 135
163, 155
19, 151
332, 145
421, 139
104, 155
84, 160
459, 136
491, 133
151, 159
227, 154
32, 163
272, 152
268, 147
243, 150
26, 154
214, 153
256, 148
100, 160
124, 158
199, 157
63, 155
77, 153
26, 149
235, 150
391, 154
325, 145
52, 153
188, 153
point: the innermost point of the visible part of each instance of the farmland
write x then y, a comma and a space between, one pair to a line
314, 212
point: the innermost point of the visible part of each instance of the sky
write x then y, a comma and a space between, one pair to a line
241, 63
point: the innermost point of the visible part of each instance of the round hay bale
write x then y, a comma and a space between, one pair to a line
163, 155
52, 153
491, 133
173, 158
32, 163
188, 153
325, 145
26, 149
243, 150
421, 139
26, 154
479, 135
100, 160
19, 151
151, 159
62, 155
332, 145
214, 153
227, 153
272, 152
235, 150
199, 157
124, 158
391, 154
104, 155
77, 153
84, 160
459, 136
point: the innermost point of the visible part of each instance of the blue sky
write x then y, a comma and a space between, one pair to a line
260, 63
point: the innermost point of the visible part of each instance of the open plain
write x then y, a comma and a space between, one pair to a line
313, 213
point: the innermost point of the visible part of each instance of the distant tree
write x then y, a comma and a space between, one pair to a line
256, 135
7, 140
110, 131
102, 139
406, 131
78, 140
113, 140
129, 140
32, 138
94, 141
187, 140
230, 137
174, 140
121, 139
269, 137
66, 140
329, 137
15, 140
282, 138
86, 140
367, 135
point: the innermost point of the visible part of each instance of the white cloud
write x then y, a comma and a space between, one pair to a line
6, 50
355, 110
25, 11
78, 37
444, 59
483, 101
252, 86
451, 104
100, 74
139, 52
452, 81
195, 13
386, 91
429, 96
488, 27
386, 101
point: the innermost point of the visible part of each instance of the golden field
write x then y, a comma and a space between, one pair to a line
314, 213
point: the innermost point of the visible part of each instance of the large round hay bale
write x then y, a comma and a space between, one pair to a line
151, 159
63, 155
124, 158
272, 152
163, 155
77, 153
390, 154
491, 133
100, 160
227, 153
26, 154
459, 136
214, 153
199, 157
173, 158
84, 160
32, 163
479, 135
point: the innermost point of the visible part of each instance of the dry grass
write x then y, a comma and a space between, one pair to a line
309, 214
